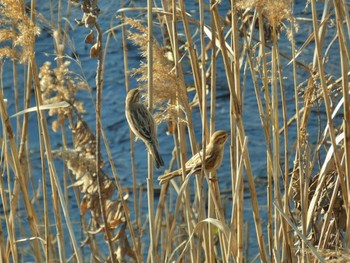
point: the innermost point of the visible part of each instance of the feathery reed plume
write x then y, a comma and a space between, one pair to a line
57, 85
166, 85
142, 124
17, 29
213, 158
274, 11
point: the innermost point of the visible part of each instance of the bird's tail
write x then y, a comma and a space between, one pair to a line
156, 155
167, 177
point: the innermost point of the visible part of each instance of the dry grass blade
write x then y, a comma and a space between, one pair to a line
295, 228
215, 222
51, 106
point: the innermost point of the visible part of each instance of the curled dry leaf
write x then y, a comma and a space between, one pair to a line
90, 38
94, 51
115, 213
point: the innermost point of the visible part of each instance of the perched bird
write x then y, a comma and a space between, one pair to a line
213, 158
142, 124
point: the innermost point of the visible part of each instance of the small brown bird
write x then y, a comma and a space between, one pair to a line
142, 124
213, 158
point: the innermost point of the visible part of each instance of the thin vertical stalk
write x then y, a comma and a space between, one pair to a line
238, 149
181, 143
278, 199
45, 196
275, 139
15, 88
214, 183
321, 33
207, 234
267, 128
2, 238
150, 186
132, 141
213, 76
298, 141
99, 86
10, 226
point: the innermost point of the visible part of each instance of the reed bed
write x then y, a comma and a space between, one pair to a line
301, 87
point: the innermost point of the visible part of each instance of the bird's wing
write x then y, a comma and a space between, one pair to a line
143, 122
195, 161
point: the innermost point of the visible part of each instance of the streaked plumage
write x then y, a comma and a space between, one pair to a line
142, 124
213, 158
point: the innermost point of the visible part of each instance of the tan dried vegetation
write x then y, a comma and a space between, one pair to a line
307, 184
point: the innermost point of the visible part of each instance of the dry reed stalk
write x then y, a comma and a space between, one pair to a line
207, 234
236, 145
150, 179
285, 251
227, 254
132, 141
278, 194
10, 226
288, 242
99, 86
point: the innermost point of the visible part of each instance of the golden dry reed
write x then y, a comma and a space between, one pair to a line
301, 87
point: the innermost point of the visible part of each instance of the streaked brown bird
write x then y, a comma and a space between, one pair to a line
213, 158
142, 124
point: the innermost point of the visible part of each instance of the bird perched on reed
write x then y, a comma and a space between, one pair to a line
142, 124
213, 158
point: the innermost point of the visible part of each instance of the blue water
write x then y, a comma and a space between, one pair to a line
113, 118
